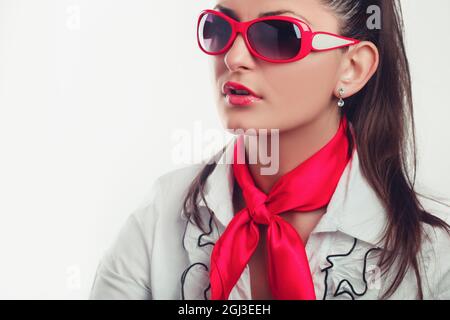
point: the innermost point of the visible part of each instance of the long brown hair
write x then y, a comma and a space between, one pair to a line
383, 121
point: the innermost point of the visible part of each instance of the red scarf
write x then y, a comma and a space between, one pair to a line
307, 187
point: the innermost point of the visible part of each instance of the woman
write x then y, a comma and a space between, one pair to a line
339, 218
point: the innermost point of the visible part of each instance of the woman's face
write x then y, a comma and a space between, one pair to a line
293, 94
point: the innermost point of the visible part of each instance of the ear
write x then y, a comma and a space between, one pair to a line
358, 65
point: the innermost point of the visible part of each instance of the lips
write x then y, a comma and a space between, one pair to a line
239, 95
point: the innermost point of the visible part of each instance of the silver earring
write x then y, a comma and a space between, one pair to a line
341, 102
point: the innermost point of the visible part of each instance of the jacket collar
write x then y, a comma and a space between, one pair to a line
354, 208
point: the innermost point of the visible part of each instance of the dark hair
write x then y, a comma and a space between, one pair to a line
382, 117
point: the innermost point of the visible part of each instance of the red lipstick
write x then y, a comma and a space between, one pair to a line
239, 95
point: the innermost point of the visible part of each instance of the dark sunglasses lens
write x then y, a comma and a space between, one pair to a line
214, 33
275, 39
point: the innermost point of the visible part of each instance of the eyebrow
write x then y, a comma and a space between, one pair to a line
229, 12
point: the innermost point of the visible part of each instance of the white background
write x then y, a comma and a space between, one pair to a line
90, 97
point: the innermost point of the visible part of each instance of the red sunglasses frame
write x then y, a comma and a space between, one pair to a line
310, 41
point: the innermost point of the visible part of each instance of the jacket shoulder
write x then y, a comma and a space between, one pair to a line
173, 185
167, 192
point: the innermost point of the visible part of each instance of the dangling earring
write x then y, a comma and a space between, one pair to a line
341, 102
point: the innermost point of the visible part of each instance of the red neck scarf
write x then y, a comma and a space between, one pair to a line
307, 187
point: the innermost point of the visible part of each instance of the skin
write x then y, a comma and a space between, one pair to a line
299, 99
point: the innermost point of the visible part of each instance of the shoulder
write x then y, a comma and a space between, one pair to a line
435, 253
175, 182
166, 194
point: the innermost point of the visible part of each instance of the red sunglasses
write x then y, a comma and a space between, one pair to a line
277, 39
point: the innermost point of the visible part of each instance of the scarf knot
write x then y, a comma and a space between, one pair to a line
261, 215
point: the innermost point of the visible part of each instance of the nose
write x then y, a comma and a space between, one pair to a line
238, 56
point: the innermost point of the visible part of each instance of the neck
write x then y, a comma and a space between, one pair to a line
296, 146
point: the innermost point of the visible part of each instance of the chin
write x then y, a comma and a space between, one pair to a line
245, 119
233, 125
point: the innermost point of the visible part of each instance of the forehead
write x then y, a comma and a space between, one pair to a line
266, 13
314, 12
251, 9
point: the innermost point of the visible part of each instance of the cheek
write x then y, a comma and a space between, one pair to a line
305, 86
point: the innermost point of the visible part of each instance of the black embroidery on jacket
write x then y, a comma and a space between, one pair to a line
206, 234
353, 293
183, 278
199, 244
